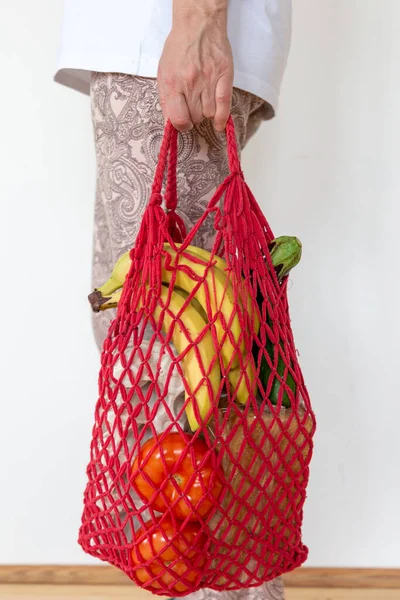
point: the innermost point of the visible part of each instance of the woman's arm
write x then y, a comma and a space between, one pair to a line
195, 73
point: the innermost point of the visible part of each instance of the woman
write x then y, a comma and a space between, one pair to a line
194, 62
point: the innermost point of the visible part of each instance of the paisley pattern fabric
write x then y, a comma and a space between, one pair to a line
128, 128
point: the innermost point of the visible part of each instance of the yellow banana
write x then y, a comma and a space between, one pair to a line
235, 376
111, 301
121, 269
203, 254
216, 287
217, 290
220, 264
239, 384
118, 276
122, 266
195, 303
199, 380
242, 392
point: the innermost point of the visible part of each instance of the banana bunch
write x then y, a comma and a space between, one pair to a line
201, 293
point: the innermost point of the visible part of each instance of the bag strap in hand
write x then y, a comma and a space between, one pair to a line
171, 223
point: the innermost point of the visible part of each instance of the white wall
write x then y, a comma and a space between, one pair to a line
326, 170
48, 359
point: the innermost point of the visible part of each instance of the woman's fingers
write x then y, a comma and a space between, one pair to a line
185, 113
208, 103
178, 111
223, 101
195, 108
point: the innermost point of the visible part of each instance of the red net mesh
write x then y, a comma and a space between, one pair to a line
203, 429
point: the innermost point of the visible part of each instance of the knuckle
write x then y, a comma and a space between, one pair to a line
208, 72
191, 77
170, 81
224, 64
220, 121
181, 124
220, 126
209, 113
223, 98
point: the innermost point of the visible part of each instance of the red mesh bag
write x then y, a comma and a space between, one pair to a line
202, 440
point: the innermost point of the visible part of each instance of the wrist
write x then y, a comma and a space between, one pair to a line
192, 12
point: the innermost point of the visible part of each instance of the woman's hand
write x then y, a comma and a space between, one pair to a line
195, 73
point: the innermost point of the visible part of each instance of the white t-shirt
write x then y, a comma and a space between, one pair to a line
127, 36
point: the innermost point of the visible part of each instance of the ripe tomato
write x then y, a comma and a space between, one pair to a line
174, 559
171, 475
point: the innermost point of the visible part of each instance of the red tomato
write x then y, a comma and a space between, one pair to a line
185, 487
179, 551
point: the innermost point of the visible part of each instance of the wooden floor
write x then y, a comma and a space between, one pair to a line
66, 592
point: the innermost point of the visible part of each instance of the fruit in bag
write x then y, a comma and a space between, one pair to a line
168, 555
170, 475
264, 466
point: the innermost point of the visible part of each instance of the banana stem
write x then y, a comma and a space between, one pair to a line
109, 287
112, 301
98, 302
